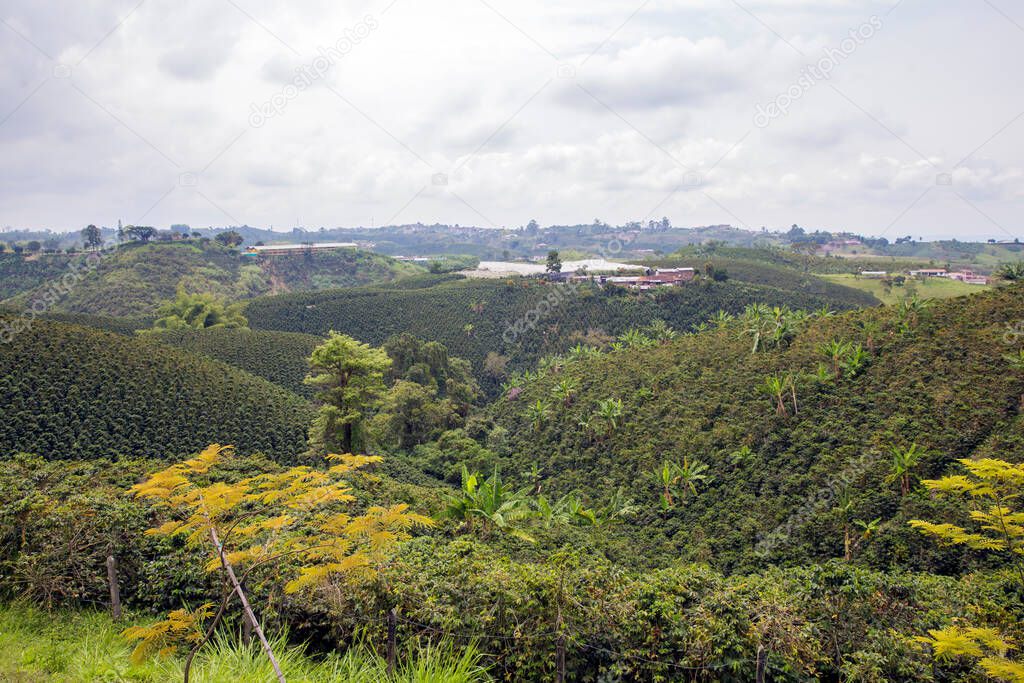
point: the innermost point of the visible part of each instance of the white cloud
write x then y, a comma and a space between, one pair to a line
475, 93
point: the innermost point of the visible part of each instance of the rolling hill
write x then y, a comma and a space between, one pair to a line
135, 278
936, 377
75, 392
474, 318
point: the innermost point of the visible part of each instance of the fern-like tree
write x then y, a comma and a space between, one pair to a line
298, 521
995, 489
350, 378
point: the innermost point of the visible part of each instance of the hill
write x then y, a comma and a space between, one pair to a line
278, 357
935, 376
135, 278
475, 318
75, 392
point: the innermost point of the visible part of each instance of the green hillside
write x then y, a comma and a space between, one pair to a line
75, 392
135, 278
279, 357
474, 318
935, 377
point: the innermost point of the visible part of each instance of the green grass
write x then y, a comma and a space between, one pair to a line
928, 288
86, 646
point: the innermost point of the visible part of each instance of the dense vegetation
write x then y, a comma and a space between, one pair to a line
75, 392
665, 485
474, 318
136, 278
935, 377
279, 357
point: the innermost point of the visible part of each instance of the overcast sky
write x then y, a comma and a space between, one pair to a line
493, 112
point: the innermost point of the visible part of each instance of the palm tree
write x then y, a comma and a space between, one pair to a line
616, 509
668, 477
565, 390
855, 360
776, 386
904, 460
834, 351
634, 338
691, 475
538, 414
609, 411
660, 331
721, 319
493, 503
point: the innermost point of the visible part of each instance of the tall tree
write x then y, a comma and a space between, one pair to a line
92, 237
142, 233
350, 377
229, 239
554, 264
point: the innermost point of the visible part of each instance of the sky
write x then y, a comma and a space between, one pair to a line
883, 118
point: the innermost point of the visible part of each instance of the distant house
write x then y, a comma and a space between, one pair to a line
929, 272
968, 276
873, 273
663, 277
287, 249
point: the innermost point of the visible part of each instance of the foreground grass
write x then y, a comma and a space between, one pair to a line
86, 646
926, 288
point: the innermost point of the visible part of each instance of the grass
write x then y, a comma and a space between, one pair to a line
927, 288
86, 646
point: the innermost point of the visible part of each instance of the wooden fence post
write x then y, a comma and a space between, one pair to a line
115, 591
762, 663
392, 624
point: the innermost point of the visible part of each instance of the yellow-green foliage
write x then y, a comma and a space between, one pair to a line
294, 513
182, 626
984, 644
296, 517
994, 487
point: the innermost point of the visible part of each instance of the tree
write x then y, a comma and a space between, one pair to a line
197, 311
33, 246
609, 410
776, 386
904, 461
691, 475
554, 263
291, 520
492, 503
1011, 272
350, 377
142, 233
994, 488
538, 414
229, 238
835, 351
92, 237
